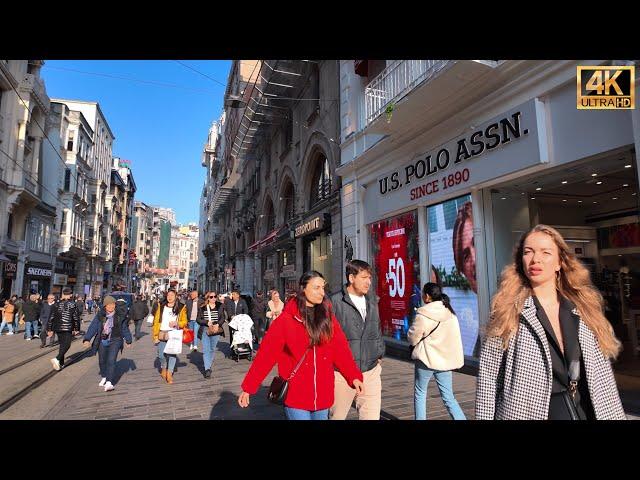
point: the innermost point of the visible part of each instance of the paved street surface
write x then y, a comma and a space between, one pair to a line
140, 392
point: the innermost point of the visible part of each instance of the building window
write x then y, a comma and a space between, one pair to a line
70, 140
321, 183
67, 179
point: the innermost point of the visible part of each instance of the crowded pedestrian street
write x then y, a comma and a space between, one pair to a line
140, 394
73, 393
319, 239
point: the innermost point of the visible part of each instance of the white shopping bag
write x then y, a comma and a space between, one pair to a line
174, 344
149, 319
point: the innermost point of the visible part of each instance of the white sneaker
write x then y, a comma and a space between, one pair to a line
28, 339
55, 363
10, 333
102, 382
108, 387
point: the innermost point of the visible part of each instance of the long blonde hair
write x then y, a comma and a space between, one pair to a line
574, 283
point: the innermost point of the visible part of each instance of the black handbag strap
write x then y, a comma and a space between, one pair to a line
430, 332
299, 363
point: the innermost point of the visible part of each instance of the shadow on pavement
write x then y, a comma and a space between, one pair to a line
123, 366
227, 408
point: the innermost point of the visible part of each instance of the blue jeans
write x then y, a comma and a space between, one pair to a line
169, 359
444, 380
208, 344
8, 325
138, 323
298, 414
28, 326
193, 325
107, 358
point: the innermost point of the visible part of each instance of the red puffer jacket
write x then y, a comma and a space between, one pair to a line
311, 388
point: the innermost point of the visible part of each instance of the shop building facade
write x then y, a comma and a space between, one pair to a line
446, 163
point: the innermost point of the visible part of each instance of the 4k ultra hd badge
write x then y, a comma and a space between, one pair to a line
606, 88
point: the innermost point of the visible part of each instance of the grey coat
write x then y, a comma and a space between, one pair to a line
364, 336
515, 384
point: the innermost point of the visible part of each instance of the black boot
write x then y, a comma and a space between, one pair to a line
207, 374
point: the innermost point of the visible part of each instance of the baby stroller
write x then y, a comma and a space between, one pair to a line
242, 344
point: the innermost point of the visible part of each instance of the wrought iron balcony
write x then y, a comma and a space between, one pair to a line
397, 80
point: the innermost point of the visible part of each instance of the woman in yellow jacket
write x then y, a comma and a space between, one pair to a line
171, 315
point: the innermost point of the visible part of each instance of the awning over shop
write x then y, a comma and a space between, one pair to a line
268, 239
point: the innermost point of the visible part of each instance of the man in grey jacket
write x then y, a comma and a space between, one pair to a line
359, 318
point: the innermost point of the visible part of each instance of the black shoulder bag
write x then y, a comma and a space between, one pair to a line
279, 386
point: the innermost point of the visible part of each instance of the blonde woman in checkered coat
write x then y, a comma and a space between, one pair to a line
548, 347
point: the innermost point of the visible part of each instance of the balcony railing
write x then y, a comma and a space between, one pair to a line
30, 185
395, 81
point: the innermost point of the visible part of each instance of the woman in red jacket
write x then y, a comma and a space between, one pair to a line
307, 327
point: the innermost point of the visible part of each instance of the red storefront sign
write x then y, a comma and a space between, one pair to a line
394, 259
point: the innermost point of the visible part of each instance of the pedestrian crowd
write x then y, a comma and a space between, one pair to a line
546, 352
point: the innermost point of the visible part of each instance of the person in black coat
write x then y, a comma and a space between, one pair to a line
139, 312
234, 306
45, 316
65, 322
210, 319
258, 314
108, 329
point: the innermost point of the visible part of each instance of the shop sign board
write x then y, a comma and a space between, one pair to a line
508, 143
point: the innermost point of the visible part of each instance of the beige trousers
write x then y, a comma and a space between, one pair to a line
367, 405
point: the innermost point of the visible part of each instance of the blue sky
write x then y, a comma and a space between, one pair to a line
160, 114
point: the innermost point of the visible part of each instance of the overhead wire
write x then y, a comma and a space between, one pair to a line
135, 80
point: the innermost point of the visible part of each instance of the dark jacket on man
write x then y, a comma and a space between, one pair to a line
45, 313
139, 310
66, 317
191, 304
364, 336
120, 326
231, 309
31, 311
80, 304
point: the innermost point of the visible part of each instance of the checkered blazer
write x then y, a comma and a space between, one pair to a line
515, 384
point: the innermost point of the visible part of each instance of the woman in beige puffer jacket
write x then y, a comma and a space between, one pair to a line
435, 334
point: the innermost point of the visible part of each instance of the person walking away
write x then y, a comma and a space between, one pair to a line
106, 333
193, 307
45, 317
274, 308
139, 312
170, 315
31, 311
258, 315
548, 349
211, 319
17, 314
235, 306
65, 322
308, 337
357, 313
8, 316
435, 334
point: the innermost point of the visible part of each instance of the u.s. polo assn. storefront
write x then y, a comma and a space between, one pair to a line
449, 204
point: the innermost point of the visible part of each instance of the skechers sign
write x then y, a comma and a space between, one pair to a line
505, 144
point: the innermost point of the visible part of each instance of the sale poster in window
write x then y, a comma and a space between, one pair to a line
394, 243
453, 257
